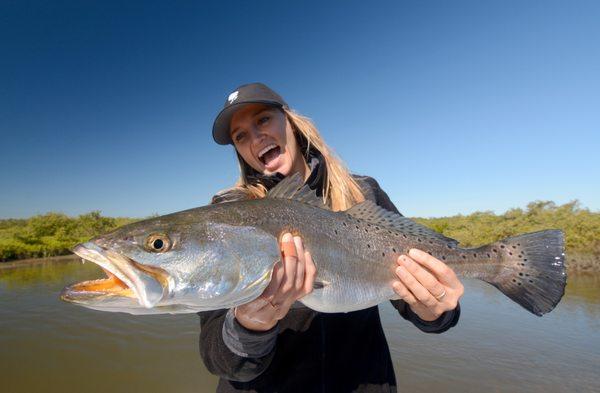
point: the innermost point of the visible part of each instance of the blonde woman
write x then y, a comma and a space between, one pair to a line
268, 345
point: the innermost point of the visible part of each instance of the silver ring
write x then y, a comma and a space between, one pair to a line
440, 296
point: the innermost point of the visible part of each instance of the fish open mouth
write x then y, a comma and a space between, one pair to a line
125, 278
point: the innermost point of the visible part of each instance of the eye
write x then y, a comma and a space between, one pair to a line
239, 136
263, 119
158, 242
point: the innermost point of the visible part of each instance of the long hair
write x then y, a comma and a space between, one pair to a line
340, 190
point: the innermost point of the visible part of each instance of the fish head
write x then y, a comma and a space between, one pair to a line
175, 266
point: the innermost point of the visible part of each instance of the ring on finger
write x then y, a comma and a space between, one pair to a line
441, 295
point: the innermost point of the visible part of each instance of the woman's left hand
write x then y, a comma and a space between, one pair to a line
427, 285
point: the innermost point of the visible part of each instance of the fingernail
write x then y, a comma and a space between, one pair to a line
287, 237
414, 252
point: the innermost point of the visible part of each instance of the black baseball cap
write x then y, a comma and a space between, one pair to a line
252, 93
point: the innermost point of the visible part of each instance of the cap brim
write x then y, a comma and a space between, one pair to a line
220, 129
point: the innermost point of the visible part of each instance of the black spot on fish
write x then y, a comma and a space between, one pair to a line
502, 246
393, 249
444, 257
494, 250
464, 256
368, 245
488, 255
383, 254
475, 255
521, 274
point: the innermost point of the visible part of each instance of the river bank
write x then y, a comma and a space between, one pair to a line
55, 234
576, 263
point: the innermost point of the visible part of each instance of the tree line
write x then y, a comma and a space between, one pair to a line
55, 234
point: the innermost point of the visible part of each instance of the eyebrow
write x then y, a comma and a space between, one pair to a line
258, 111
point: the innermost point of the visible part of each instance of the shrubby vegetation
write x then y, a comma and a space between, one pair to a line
55, 234
581, 227
51, 234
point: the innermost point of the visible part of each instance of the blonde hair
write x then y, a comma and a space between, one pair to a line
340, 190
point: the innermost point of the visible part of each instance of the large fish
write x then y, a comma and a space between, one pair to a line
221, 256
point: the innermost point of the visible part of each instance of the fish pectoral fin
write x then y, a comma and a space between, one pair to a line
320, 284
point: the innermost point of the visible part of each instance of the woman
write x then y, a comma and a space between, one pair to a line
268, 345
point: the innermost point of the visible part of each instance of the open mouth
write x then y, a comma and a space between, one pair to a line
124, 278
269, 155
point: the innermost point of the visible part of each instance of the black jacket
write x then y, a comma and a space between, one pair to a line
308, 351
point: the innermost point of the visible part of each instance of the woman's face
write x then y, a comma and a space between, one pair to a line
264, 138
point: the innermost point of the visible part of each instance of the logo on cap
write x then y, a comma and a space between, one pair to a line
232, 97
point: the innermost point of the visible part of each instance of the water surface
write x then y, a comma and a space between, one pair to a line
47, 345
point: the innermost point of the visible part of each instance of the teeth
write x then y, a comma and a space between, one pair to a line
266, 149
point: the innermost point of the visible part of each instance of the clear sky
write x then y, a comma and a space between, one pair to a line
453, 107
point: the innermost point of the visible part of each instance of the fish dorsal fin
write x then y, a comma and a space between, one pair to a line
374, 214
293, 187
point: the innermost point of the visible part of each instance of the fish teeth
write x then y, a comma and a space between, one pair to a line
266, 149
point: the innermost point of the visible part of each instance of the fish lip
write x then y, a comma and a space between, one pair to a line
125, 269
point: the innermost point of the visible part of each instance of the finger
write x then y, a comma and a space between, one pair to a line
301, 265
310, 273
404, 293
288, 247
437, 267
290, 259
415, 287
423, 276
275, 283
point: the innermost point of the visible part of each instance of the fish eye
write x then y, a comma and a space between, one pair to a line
158, 242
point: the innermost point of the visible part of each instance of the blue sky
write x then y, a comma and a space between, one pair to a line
453, 107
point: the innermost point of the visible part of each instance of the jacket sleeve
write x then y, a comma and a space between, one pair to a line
446, 320
227, 348
231, 351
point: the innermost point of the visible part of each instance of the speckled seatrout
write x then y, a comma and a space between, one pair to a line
221, 256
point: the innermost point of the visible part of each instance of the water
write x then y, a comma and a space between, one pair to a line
47, 345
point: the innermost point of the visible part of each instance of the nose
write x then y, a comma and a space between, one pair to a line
257, 135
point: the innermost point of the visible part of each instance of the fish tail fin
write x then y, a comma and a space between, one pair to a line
532, 270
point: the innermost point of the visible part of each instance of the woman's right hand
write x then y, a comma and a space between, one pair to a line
292, 279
